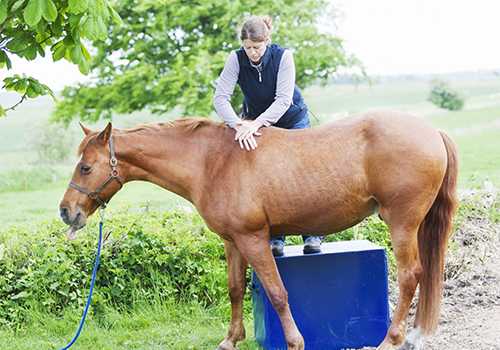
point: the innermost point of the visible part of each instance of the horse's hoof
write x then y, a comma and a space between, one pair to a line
407, 346
219, 348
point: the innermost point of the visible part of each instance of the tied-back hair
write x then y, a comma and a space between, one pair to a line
256, 28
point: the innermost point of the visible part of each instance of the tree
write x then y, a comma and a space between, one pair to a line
444, 96
171, 54
28, 28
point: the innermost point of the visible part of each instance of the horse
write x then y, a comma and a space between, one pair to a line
314, 182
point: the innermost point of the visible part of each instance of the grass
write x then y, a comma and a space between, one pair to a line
467, 121
479, 151
41, 204
477, 134
149, 325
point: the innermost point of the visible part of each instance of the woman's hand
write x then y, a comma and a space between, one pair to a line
245, 132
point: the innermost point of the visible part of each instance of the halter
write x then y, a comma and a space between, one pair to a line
114, 175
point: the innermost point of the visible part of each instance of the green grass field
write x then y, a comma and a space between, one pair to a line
476, 129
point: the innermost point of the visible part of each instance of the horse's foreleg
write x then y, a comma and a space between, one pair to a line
236, 273
257, 251
409, 271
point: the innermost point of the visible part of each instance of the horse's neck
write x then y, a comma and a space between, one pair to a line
167, 158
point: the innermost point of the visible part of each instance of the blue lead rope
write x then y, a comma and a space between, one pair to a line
91, 288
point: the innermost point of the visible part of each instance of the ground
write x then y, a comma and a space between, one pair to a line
470, 308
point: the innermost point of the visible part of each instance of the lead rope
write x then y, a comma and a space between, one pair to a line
101, 213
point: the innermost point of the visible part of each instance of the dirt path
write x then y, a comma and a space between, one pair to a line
470, 309
470, 312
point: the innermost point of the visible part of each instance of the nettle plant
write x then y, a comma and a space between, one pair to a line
30, 28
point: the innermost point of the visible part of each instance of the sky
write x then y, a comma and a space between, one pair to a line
391, 37
426, 36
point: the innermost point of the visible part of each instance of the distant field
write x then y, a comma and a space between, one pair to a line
475, 129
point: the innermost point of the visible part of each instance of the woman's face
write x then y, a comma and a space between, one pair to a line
255, 49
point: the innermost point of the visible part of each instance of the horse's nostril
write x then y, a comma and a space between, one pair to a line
64, 213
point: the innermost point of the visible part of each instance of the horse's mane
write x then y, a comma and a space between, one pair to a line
189, 125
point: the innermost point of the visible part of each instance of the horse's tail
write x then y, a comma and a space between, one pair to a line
433, 235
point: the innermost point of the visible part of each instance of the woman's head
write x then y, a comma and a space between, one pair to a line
256, 29
255, 35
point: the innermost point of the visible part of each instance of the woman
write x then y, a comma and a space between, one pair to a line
265, 73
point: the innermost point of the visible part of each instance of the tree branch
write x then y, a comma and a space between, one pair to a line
24, 97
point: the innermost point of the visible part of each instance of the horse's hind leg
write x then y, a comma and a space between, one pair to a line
405, 247
236, 272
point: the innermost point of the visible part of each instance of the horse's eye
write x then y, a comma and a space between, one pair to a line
85, 169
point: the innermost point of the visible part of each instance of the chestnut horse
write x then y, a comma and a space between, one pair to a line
313, 181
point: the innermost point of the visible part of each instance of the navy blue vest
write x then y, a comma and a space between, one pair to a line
259, 89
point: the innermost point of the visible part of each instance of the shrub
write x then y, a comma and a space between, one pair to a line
444, 96
172, 257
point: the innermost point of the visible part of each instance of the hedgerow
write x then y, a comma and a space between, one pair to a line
168, 256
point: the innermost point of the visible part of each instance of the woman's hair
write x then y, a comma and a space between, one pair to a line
256, 28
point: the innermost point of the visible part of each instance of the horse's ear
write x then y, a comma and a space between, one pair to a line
85, 130
105, 135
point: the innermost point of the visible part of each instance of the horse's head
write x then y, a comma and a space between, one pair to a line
93, 182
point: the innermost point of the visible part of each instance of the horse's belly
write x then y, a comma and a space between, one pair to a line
322, 222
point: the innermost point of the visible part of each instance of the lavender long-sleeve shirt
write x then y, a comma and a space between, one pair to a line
284, 90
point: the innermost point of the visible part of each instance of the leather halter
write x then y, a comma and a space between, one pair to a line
114, 175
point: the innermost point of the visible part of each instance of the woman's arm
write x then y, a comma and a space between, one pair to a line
225, 89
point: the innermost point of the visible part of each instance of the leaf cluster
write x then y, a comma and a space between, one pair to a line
170, 256
444, 96
28, 28
171, 53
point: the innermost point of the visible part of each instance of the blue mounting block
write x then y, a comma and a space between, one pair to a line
338, 298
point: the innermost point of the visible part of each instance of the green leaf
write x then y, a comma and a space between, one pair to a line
31, 92
17, 5
84, 67
114, 15
69, 42
49, 10
89, 28
21, 85
75, 19
2, 250
50, 92
40, 50
30, 52
23, 294
3, 10
35, 85
78, 6
40, 27
33, 12
57, 27
2, 112
104, 9
76, 54
102, 31
86, 54
59, 51
4, 60
94, 8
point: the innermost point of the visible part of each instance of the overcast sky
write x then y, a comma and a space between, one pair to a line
425, 36
390, 36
